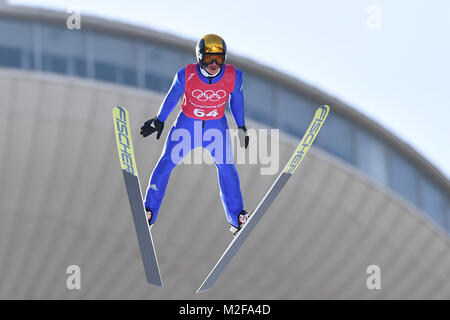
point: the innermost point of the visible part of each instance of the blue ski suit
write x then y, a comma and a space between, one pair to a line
229, 183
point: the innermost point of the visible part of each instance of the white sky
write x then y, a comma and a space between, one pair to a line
396, 75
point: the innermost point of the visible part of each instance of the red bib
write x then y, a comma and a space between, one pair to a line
206, 101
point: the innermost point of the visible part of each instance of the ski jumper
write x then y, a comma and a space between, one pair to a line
202, 109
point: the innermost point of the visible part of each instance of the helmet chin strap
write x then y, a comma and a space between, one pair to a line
206, 74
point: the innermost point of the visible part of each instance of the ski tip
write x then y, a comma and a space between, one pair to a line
323, 110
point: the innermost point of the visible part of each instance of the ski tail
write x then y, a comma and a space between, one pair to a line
297, 157
129, 169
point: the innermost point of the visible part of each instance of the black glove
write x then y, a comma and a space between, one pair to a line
147, 129
243, 137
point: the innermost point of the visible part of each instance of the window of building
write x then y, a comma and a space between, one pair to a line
115, 58
62, 50
448, 215
157, 82
79, 67
128, 76
105, 71
294, 111
22, 31
370, 154
336, 136
10, 57
188, 57
258, 99
54, 63
161, 64
403, 177
433, 201
16, 51
58, 40
164, 60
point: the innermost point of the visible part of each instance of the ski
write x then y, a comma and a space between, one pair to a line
130, 175
297, 157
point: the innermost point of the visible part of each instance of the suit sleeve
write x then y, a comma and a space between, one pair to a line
172, 96
237, 100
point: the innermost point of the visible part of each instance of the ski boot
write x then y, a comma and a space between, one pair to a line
243, 218
149, 214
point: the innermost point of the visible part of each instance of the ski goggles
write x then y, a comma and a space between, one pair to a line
210, 58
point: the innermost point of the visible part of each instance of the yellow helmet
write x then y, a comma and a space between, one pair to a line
211, 47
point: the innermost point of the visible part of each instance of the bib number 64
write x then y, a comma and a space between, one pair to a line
200, 113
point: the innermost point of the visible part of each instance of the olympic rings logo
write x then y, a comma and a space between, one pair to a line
208, 95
